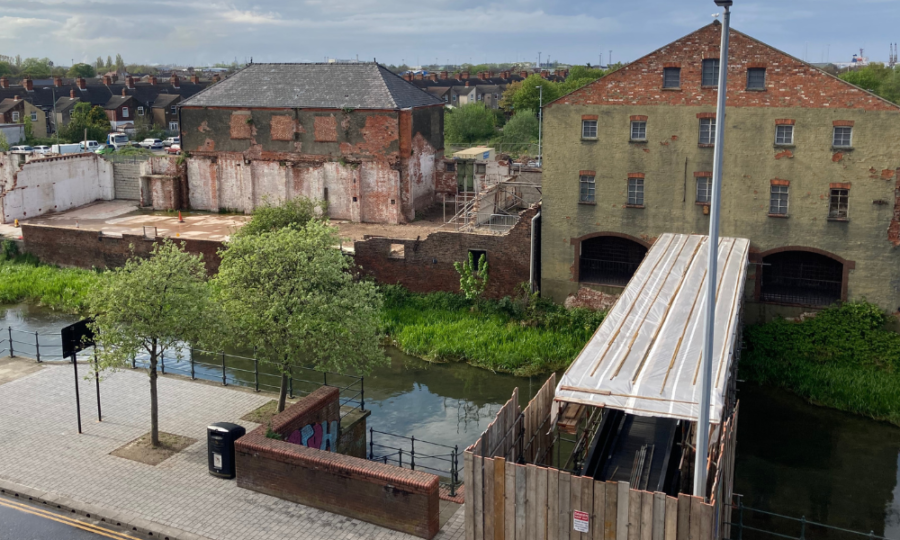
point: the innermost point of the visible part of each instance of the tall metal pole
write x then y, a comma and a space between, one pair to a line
702, 452
540, 124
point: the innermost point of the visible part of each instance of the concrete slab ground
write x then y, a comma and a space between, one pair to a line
45, 458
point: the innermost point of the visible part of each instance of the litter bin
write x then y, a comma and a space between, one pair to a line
220, 439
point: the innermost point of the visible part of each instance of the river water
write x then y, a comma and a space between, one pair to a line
793, 458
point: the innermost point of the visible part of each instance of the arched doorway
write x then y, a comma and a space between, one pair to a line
801, 277
609, 260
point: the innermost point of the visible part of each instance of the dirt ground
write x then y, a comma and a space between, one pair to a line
15, 368
140, 450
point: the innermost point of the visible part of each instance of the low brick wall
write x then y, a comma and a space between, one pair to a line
388, 496
82, 248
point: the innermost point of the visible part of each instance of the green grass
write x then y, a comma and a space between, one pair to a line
523, 336
843, 358
24, 279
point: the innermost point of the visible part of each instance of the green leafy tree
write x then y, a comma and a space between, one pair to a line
120, 63
98, 63
29, 129
528, 95
296, 212
109, 63
579, 76
81, 70
290, 296
473, 279
6, 69
506, 100
521, 128
876, 78
84, 116
472, 122
4, 143
161, 303
36, 68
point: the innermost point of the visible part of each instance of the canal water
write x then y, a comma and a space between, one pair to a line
793, 458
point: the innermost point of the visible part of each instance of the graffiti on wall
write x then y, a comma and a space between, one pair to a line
322, 436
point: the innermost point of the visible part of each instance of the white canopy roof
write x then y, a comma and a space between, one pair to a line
645, 357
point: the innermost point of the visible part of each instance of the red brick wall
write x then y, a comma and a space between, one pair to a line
427, 265
789, 82
90, 249
388, 496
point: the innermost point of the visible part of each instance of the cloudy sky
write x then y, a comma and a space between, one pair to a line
198, 32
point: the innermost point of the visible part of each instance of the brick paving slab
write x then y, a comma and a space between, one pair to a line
44, 456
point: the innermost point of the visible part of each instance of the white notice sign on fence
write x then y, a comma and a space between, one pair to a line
580, 521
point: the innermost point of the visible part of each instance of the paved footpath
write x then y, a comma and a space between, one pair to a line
42, 451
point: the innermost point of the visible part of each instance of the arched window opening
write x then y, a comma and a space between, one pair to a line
609, 260
801, 277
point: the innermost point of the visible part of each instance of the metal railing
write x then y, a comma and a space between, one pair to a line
501, 223
46, 347
784, 526
437, 460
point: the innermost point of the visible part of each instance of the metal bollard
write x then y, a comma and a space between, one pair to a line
162, 361
454, 474
412, 453
291, 383
12, 353
362, 394
37, 347
224, 380
256, 372
400, 458
371, 443
192, 363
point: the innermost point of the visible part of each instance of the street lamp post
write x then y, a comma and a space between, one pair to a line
702, 453
540, 123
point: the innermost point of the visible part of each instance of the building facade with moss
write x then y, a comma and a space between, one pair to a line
810, 174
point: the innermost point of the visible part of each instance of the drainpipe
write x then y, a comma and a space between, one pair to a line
534, 222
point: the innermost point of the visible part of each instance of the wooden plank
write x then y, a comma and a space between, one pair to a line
575, 502
499, 498
509, 511
671, 518
531, 502
478, 495
587, 503
540, 507
468, 481
659, 516
683, 530
622, 511
598, 516
705, 515
634, 514
646, 515
552, 504
612, 492
695, 518
488, 504
565, 505
521, 493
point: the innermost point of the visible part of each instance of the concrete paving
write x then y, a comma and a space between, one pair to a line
44, 457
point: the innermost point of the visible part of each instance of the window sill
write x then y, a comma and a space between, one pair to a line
640, 206
588, 138
701, 203
841, 148
839, 219
671, 89
702, 145
588, 203
755, 89
637, 140
709, 86
783, 216
785, 145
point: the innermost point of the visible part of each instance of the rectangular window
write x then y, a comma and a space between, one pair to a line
842, 136
587, 188
173, 126
707, 131
140, 111
756, 79
124, 112
778, 200
638, 131
589, 129
837, 207
710, 72
173, 109
672, 77
34, 116
480, 168
636, 192
704, 189
784, 134
15, 116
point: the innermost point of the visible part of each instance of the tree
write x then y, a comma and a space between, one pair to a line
290, 296
18, 61
81, 70
84, 116
270, 217
506, 100
98, 63
151, 305
120, 64
522, 128
472, 122
109, 63
473, 279
29, 128
6, 69
36, 68
528, 95
4, 143
876, 78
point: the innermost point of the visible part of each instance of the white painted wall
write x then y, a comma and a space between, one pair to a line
52, 185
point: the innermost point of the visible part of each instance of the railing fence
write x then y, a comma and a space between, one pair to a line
439, 459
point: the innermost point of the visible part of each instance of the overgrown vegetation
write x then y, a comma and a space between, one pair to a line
469, 123
24, 279
269, 217
876, 78
524, 336
842, 358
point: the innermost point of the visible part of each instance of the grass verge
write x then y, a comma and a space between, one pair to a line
525, 336
24, 279
842, 358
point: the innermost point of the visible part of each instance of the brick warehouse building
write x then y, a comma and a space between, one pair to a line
355, 135
810, 174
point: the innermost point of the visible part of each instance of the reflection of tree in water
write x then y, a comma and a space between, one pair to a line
468, 412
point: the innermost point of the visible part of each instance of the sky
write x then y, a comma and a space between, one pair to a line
418, 32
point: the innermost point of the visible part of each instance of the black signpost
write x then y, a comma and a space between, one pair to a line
77, 337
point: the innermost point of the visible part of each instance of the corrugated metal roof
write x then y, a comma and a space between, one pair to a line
328, 86
645, 357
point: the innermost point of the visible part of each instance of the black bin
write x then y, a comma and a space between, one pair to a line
220, 439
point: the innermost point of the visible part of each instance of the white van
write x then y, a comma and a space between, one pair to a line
74, 148
117, 140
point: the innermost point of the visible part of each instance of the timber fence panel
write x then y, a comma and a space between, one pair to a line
634, 514
499, 498
531, 510
622, 511
598, 516
695, 522
521, 488
565, 506
659, 516
612, 509
671, 518
646, 515
468, 480
541, 503
509, 516
587, 502
552, 504
575, 504
683, 531
478, 496
488, 499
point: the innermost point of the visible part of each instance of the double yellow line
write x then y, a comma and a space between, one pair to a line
64, 520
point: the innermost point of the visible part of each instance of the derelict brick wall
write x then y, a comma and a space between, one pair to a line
388, 496
90, 249
127, 181
427, 265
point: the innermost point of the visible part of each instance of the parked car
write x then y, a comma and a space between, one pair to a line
152, 144
42, 150
105, 149
89, 146
174, 149
21, 150
171, 140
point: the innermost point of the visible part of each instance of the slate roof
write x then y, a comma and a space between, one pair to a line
164, 100
7, 104
115, 102
327, 86
65, 103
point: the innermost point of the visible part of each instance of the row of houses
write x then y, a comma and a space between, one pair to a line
485, 87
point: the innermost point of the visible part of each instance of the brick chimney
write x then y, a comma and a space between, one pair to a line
124, 93
418, 76
443, 75
545, 74
433, 77
523, 74
174, 80
15, 98
82, 85
490, 74
72, 94
57, 81
4, 82
107, 80
28, 84
216, 78
129, 82
152, 80
467, 84
115, 77
195, 79
464, 75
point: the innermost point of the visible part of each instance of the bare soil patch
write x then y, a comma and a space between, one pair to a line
263, 415
16, 368
141, 451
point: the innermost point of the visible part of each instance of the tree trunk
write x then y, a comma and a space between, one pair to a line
282, 394
154, 405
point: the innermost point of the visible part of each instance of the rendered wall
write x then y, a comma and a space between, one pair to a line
52, 184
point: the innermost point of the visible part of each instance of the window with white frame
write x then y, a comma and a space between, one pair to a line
588, 186
843, 136
710, 72
124, 112
34, 116
15, 116
173, 126
704, 189
707, 131
638, 130
838, 204
784, 134
636, 192
173, 109
140, 111
778, 200
589, 129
